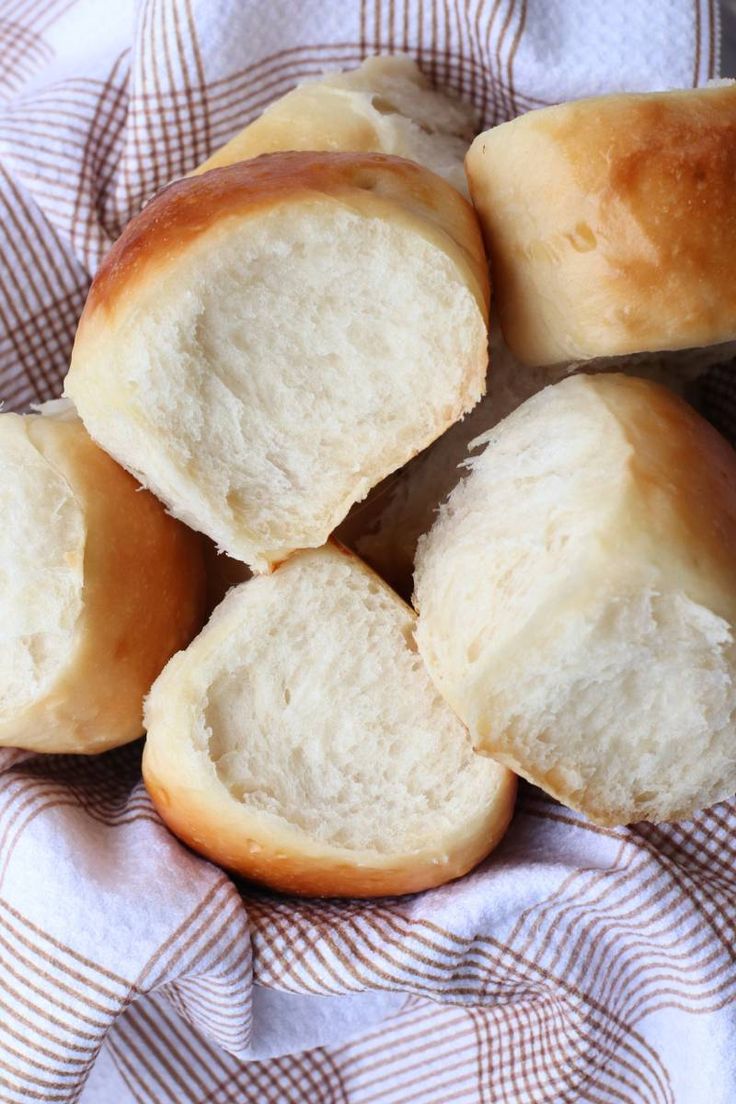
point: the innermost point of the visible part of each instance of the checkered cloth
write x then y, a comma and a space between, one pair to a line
578, 963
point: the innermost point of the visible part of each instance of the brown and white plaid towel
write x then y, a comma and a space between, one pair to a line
578, 964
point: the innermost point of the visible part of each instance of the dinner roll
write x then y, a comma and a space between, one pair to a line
385, 527
385, 106
299, 741
577, 597
100, 587
611, 224
267, 341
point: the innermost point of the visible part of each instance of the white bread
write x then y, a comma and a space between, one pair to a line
299, 741
384, 529
577, 600
267, 341
99, 588
385, 106
611, 224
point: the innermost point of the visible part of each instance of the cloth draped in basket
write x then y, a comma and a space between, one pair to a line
577, 964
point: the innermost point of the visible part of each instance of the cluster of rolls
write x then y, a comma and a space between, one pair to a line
286, 353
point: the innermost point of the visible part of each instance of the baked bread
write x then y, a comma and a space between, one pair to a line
100, 588
611, 224
384, 529
267, 341
299, 741
385, 106
577, 600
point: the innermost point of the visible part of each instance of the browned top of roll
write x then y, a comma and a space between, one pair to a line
612, 224
190, 207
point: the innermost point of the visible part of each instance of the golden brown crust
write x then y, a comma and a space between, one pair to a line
310, 117
261, 858
189, 208
611, 224
143, 600
684, 473
386, 105
270, 134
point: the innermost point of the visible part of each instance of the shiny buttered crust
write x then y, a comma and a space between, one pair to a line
101, 588
386, 105
577, 600
239, 351
611, 224
299, 742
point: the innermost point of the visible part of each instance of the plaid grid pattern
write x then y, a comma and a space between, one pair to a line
578, 964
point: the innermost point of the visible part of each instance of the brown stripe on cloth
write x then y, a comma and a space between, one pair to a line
713, 16
23, 52
696, 67
361, 965
45, 804
552, 1001
98, 159
199, 68
175, 947
503, 90
656, 952
70, 963
36, 277
44, 783
512, 54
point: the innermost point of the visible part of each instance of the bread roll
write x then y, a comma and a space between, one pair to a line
384, 529
100, 588
267, 341
577, 597
385, 106
611, 224
300, 742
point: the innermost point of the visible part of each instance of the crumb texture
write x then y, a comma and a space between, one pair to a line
281, 368
42, 541
576, 599
333, 722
